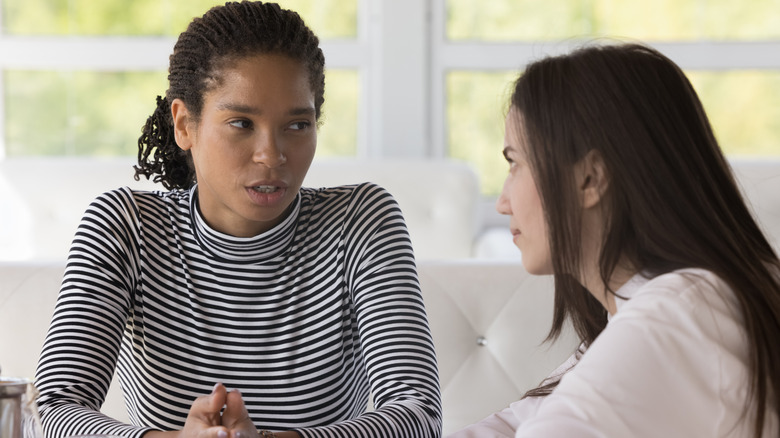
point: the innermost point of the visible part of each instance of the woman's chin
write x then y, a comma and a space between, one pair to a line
534, 267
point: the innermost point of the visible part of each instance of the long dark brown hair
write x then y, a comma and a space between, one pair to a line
224, 34
672, 201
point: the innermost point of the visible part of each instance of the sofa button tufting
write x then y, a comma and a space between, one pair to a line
481, 341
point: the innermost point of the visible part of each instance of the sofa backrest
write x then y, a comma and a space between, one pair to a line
488, 320
439, 198
760, 183
43, 199
759, 180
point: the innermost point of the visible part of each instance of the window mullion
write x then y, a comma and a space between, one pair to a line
437, 82
398, 85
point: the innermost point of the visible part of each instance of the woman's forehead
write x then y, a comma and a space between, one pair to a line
514, 130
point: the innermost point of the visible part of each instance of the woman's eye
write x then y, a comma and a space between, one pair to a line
509, 160
242, 124
514, 165
297, 126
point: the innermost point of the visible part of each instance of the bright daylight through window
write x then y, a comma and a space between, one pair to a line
96, 110
739, 90
83, 105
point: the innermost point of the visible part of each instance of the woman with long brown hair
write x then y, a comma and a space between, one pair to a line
618, 188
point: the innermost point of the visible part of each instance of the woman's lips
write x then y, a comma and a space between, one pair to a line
267, 193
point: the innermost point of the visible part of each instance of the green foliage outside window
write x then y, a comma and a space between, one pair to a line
657, 20
101, 114
78, 113
337, 136
95, 113
154, 17
742, 107
476, 107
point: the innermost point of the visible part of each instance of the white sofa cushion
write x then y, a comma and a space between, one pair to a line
489, 320
439, 198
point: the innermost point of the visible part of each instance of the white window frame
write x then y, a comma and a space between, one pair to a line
402, 56
486, 56
150, 53
390, 49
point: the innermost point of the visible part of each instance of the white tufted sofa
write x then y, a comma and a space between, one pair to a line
488, 316
488, 320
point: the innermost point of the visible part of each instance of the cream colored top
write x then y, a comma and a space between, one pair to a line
672, 362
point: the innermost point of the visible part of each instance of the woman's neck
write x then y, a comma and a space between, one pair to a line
601, 291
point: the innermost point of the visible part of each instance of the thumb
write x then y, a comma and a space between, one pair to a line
235, 414
217, 398
209, 407
205, 410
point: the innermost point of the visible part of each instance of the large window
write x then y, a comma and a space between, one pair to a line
728, 49
80, 77
659, 20
405, 78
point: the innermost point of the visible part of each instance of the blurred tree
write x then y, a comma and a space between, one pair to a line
476, 107
155, 17
78, 113
743, 109
657, 20
101, 113
475, 127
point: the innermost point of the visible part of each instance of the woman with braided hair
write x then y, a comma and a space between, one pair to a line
236, 302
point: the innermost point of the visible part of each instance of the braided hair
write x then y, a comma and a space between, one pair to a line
223, 35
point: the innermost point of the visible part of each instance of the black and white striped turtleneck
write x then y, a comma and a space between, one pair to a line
306, 320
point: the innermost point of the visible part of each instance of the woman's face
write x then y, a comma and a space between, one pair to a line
520, 201
253, 145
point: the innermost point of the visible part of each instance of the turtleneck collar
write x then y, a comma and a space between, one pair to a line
263, 246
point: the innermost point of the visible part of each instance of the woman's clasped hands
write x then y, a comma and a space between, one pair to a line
208, 419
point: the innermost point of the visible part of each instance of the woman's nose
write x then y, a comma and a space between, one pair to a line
502, 203
268, 151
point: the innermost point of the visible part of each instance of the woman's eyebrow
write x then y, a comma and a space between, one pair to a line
303, 111
248, 109
239, 108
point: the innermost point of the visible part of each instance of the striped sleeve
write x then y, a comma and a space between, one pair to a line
82, 345
395, 339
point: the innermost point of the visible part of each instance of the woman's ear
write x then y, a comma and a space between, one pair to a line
183, 129
592, 178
